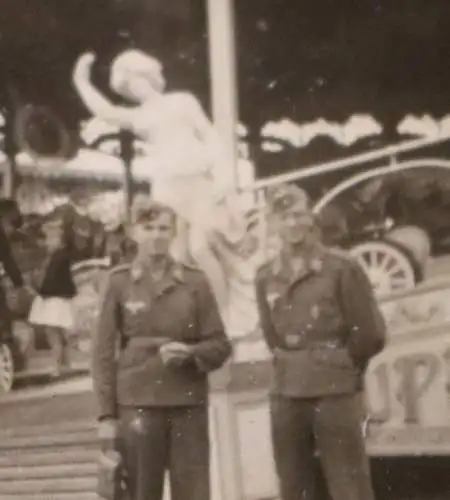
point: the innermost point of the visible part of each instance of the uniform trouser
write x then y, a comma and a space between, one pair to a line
153, 440
331, 426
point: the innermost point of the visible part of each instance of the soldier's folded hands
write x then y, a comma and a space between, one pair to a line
175, 353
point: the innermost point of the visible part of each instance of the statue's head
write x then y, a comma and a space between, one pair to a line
136, 75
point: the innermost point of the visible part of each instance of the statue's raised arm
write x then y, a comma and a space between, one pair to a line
98, 105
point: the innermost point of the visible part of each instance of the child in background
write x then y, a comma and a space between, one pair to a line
52, 308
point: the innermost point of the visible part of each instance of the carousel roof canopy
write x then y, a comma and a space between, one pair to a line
88, 164
99, 166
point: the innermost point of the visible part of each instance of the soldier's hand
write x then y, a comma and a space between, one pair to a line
175, 353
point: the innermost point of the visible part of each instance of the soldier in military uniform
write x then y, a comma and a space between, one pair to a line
156, 394
322, 324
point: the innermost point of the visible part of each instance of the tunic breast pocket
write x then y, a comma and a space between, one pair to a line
325, 312
175, 315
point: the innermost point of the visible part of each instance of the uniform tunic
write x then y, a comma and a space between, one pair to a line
323, 326
143, 316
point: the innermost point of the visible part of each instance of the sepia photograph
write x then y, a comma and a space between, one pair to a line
224, 250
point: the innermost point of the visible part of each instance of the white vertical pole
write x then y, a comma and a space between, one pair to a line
222, 65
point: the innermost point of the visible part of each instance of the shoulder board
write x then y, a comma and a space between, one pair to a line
120, 269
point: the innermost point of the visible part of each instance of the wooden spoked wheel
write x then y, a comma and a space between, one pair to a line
389, 267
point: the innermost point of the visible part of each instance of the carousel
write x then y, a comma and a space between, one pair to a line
393, 252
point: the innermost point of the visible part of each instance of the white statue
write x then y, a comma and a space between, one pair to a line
188, 170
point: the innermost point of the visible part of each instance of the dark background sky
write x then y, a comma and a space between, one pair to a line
297, 58
333, 57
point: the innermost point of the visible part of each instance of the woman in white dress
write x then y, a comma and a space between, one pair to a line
187, 170
52, 308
